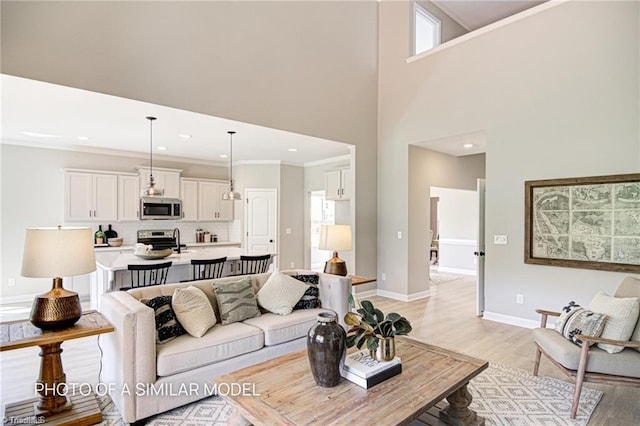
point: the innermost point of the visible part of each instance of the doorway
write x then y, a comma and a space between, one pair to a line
261, 220
322, 213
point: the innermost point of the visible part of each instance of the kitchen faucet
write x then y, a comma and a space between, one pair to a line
176, 231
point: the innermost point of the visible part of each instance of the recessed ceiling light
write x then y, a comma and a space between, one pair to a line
292, 149
185, 136
468, 145
223, 155
41, 135
162, 148
83, 138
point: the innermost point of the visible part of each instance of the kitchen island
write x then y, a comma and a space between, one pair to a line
111, 267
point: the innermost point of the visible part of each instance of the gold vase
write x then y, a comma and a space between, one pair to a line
386, 349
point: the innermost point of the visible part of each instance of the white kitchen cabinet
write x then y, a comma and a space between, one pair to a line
128, 198
338, 184
90, 196
211, 206
167, 179
189, 197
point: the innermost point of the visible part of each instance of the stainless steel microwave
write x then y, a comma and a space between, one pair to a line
160, 208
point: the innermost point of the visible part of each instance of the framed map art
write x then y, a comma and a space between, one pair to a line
588, 222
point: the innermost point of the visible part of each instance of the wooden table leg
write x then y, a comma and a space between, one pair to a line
51, 384
457, 412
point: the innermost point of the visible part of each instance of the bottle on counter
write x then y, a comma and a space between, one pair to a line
99, 235
199, 235
109, 233
214, 238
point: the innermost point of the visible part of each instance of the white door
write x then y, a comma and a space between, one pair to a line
261, 220
479, 253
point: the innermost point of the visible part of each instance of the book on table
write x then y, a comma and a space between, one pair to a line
365, 371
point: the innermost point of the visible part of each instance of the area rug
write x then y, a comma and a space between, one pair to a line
502, 395
442, 277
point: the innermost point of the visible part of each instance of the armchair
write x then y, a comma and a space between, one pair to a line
590, 363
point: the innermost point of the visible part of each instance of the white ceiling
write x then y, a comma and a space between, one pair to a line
114, 124
473, 14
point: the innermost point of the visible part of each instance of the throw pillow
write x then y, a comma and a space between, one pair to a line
167, 326
236, 300
311, 297
622, 316
280, 293
574, 319
193, 310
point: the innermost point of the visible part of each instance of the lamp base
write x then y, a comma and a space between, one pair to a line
335, 266
57, 309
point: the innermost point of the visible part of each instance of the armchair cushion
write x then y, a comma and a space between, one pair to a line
575, 320
622, 316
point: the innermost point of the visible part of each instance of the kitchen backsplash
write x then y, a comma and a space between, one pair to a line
226, 231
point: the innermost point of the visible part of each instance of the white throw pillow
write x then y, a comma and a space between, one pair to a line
193, 310
280, 293
622, 316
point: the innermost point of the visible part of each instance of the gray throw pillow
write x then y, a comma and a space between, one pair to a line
236, 300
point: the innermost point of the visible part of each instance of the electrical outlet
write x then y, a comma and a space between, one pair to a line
383, 276
500, 240
520, 299
12, 282
287, 231
399, 235
293, 264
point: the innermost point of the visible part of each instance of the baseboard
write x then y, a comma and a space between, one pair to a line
403, 297
456, 270
367, 293
508, 319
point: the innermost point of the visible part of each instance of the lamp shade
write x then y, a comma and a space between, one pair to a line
335, 237
58, 252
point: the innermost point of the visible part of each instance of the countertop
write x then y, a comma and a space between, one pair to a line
118, 260
101, 249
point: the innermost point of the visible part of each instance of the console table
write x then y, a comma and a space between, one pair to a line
53, 406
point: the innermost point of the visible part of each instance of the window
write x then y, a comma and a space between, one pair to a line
426, 30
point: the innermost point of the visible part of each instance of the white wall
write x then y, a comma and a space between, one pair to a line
458, 224
555, 99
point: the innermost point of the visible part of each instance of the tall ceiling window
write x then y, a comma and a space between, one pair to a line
426, 30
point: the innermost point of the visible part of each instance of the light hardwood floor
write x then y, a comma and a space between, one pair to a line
446, 319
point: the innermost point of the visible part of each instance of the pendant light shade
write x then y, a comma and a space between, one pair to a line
231, 195
151, 190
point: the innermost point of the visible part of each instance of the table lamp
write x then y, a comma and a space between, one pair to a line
56, 253
336, 238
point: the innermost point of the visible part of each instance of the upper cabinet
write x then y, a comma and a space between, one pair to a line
338, 184
167, 179
128, 197
90, 196
202, 200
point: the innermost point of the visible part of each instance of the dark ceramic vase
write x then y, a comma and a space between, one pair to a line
326, 347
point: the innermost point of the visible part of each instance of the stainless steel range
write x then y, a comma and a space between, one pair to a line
160, 238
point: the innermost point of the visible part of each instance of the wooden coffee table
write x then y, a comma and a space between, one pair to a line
286, 394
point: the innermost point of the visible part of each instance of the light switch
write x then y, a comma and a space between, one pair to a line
500, 240
287, 231
399, 235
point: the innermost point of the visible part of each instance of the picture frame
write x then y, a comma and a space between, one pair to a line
585, 222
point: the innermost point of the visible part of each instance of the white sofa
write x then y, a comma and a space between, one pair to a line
144, 378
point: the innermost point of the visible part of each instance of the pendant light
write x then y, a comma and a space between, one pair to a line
151, 190
231, 195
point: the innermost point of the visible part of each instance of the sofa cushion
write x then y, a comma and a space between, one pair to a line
284, 328
625, 363
574, 319
622, 316
193, 310
281, 293
167, 326
236, 300
311, 297
219, 343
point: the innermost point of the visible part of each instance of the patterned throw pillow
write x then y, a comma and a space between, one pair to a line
575, 319
236, 300
193, 310
280, 293
622, 316
311, 297
167, 325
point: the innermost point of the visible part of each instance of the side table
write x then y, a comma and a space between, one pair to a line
53, 406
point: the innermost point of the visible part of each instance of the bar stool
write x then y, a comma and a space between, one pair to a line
148, 275
204, 269
254, 264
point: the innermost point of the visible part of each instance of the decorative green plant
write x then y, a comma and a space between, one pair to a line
370, 325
